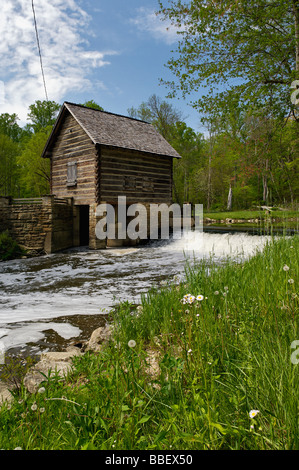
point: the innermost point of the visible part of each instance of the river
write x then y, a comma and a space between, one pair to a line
48, 301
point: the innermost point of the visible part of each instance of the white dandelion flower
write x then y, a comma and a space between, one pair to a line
253, 413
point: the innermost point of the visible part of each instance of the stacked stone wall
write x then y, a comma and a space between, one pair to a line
40, 225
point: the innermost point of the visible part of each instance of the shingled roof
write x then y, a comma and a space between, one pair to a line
114, 130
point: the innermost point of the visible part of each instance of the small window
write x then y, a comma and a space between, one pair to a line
147, 184
71, 174
129, 183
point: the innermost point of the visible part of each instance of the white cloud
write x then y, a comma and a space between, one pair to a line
67, 60
148, 21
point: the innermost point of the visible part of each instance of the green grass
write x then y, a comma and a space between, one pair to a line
217, 359
246, 215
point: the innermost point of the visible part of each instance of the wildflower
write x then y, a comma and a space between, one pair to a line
34, 407
225, 287
188, 299
291, 281
132, 343
139, 308
187, 311
199, 297
286, 267
189, 351
216, 292
41, 390
42, 410
253, 413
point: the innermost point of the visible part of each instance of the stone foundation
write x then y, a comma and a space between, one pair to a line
42, 225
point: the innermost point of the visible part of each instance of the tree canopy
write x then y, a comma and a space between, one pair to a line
245, 50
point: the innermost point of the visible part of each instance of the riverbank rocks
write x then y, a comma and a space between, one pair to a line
50, 363
99, 336
60, 363
5, 393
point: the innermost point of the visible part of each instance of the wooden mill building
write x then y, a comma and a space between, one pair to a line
97, 156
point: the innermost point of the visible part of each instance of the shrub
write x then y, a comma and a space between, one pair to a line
9, 249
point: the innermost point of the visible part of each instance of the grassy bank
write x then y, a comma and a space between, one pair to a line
247, 214
283, 219
217, 371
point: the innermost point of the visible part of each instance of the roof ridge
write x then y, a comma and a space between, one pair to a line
106, 112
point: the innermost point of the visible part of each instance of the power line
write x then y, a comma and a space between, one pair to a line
39, 51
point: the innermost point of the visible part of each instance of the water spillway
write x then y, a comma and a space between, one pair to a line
51, 299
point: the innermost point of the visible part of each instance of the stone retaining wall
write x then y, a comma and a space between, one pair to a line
42, 225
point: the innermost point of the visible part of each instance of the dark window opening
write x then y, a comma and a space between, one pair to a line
84, 225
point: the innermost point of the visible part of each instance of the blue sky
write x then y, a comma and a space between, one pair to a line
111, 51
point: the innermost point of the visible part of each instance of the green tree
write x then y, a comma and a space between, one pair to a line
158, 112
42, 114
34, 170
92, 104
189, 145
8, 166
10, 127
243, 49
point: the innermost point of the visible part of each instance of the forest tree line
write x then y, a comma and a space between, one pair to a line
241, 161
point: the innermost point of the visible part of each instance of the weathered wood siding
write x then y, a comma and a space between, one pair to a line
73, 145
142, 178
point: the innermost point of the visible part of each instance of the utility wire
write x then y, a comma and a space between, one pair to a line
39, 51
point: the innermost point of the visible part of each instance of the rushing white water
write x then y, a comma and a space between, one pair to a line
36, 291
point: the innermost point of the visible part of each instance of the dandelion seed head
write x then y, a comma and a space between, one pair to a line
286, 267
132, 343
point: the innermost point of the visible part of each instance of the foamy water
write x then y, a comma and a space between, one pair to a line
35, 292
